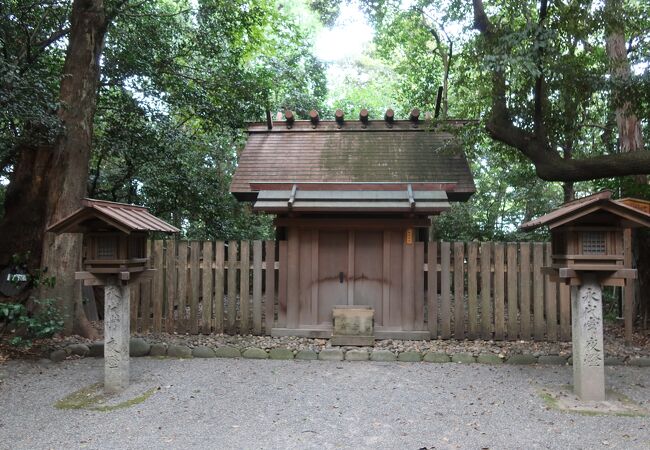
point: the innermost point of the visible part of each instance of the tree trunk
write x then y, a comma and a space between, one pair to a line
630, 139
21, 228
629, 125
50, 180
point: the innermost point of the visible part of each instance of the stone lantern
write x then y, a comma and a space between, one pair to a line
588, 253
115, 255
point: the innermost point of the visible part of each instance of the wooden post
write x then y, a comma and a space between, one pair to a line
116, 336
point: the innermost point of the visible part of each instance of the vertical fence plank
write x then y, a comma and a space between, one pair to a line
538, 292
145, 299
524, 290
171, 276
313, 276
219, 259
282, 286
293, 278
232, 288
445, 290
565, 312
419, 286
135, 306
269, 293
257, 288
499, 292
207, 279
408, 287
195, 283
513, 284
628, 290
386, 285
182, 286
145, 304
157, 288
244, 287
459, 290
432, 287
486, 305
550, 292
472, 290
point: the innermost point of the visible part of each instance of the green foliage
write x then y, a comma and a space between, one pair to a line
178, 84
25, 326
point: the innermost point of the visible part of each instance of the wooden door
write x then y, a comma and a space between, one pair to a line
368, 271
332, 273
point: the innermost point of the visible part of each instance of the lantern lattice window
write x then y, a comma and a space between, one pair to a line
107, 248
594, 243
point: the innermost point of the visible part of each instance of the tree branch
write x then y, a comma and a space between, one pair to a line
549, 165
538, 115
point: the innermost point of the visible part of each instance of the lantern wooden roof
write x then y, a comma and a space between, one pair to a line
354, 155
96, 214
594, 209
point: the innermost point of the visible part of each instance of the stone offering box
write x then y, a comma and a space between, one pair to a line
115, 238
588, 236
353, 325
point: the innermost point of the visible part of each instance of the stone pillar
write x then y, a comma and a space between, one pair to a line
587, 321
116, 336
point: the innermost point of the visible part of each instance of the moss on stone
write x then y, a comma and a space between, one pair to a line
92, 398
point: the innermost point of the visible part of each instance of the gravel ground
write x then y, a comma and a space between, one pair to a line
237, 403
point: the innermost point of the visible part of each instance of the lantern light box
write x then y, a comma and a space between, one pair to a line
115, 236
588, 236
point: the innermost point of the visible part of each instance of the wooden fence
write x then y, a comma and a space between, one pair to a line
233, 287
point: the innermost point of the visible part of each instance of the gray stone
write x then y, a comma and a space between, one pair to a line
280, 353
139, 347
96, 349
639, 362
227, 352
77, 349
331, 354
255, 353
587, 339
463, 358
307, 355
613, 361
489, 358
552, 360
179, 351
158, 350
357, 355
522, 359
409, 357
382, 355
116, 336
436, 357
570, 361
58, 355
3, 374
353, 325
203, 352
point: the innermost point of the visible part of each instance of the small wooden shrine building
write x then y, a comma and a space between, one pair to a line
352, 199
